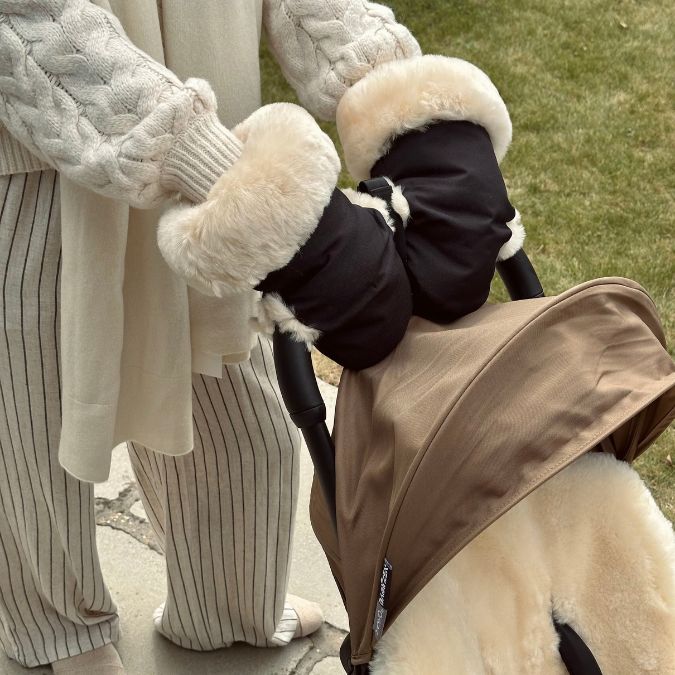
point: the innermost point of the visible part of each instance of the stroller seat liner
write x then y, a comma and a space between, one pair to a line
463, 421
590, 546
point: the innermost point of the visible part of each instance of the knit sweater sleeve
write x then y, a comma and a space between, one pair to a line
80, 95
325, 46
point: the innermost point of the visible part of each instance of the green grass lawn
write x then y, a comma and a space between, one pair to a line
589, 85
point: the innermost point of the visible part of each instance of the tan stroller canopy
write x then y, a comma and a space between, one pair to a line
463, 421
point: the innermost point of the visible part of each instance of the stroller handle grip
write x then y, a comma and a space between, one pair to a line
306, 408
519, 277
297, 382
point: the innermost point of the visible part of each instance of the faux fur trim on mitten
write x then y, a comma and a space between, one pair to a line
274, 313
513, 245
261, 211
399, 96
369, 202
398, 203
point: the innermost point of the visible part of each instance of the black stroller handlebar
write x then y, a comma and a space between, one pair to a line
306, 408
297, 382
300, 389
519, 277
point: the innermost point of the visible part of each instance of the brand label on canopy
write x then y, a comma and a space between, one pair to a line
382, 600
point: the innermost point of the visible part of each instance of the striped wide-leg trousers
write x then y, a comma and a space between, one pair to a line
223, 514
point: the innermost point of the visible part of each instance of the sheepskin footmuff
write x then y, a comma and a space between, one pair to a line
590, 546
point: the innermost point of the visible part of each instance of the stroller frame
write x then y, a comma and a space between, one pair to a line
307, 410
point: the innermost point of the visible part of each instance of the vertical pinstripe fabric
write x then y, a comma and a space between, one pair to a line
53, 602
224, 513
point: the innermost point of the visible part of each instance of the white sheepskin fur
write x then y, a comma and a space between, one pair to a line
409, 94
513, 245
261, 211
273, 312
590, 545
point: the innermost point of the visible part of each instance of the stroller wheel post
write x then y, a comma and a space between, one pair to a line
306, 408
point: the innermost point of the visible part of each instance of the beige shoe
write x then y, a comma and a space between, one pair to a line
102, 661
309, 614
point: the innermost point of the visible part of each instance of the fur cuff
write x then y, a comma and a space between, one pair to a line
261, 211
513, 245
400, 96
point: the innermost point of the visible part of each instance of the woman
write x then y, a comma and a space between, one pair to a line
101, 338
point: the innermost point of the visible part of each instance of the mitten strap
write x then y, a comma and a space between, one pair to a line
382, 188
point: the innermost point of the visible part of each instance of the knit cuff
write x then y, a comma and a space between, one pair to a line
16, 158
199, 157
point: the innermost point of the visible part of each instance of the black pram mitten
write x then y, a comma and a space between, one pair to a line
327, 268
458, 210
436, 127
348, 283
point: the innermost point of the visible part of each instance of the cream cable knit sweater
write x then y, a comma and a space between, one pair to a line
323, 47
77, 93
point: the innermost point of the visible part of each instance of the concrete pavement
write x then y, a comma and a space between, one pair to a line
134, 570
